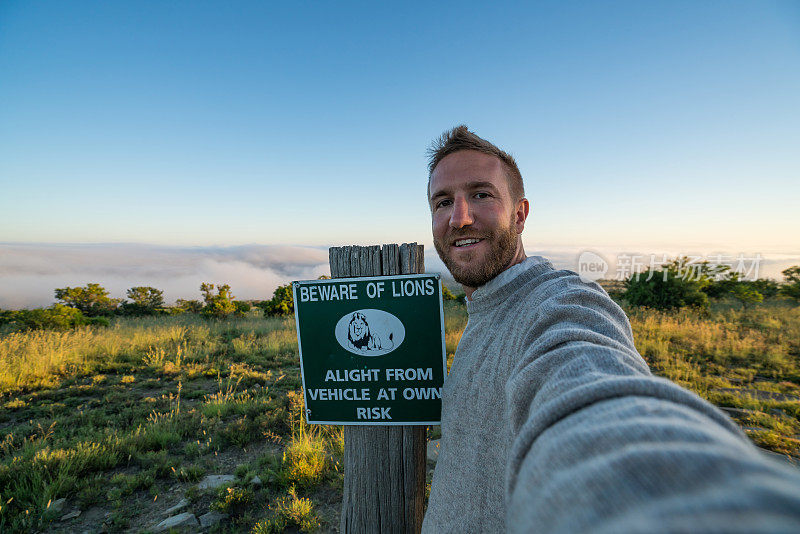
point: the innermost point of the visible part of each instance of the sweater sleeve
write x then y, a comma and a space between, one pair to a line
601, 445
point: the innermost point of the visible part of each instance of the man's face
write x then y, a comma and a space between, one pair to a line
475, 221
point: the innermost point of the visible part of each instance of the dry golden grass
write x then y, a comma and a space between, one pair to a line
750, 351
85, 407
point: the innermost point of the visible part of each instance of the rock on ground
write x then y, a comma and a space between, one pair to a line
211, 518
57, 506
72, 515
185, 521
215, 481
183, 503
736, 412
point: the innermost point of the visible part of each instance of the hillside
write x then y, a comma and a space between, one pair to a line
109, 428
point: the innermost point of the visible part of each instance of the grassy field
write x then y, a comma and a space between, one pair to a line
746, 362
124, 422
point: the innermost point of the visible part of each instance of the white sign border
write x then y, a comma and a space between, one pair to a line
296, 284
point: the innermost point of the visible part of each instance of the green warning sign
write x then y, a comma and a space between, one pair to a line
371, 349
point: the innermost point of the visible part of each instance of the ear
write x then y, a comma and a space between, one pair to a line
521, 214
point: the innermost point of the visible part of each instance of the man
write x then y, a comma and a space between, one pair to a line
551, 421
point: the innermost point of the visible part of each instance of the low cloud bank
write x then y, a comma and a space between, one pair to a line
30, 272
621, 262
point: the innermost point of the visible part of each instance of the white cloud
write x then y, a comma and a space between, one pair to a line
770, 265
30, 273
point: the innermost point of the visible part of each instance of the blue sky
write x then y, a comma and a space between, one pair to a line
637, 125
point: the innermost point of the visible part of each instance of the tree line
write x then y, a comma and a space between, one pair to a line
669, 287
663, 288
92, 305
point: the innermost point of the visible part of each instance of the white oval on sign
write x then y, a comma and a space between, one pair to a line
369, 332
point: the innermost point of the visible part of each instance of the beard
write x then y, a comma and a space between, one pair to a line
479, 270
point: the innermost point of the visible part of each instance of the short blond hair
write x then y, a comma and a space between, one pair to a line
460, 138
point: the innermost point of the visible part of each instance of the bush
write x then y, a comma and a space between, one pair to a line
289, 511
447, 294
281, 304
791, 285
665, 290
98, 321
719, 288
188, 306
145, 300
219, 305
57, 317
768, 288
91, 300
304, 460
232, 500
725, 283
746, 294
242, 308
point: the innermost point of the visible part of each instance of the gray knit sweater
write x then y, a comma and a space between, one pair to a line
552, 422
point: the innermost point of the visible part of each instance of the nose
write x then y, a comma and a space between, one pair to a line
461, 215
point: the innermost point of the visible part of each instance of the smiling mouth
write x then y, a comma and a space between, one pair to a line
466, 242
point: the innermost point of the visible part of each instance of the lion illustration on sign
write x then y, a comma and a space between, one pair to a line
360, 337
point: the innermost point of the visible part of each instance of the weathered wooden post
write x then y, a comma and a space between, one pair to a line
384, 466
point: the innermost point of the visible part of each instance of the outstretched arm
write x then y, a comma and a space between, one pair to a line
601, 445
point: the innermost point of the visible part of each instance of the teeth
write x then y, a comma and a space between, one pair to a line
465, 242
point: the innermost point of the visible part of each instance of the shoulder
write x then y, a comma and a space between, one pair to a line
556, 306
547, 285
540, 298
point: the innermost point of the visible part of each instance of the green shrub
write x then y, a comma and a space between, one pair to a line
664, 290
145, 300
57, 317
305, 460
287, 512
791, 285
768, 288
242, 308
188, 306
219, 305
189, 473
677, 284
98, 321
719, 288
232, 500
281, 303
91, 300
746, 294
447, 294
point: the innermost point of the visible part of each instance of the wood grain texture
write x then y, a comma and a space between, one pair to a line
384, 466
